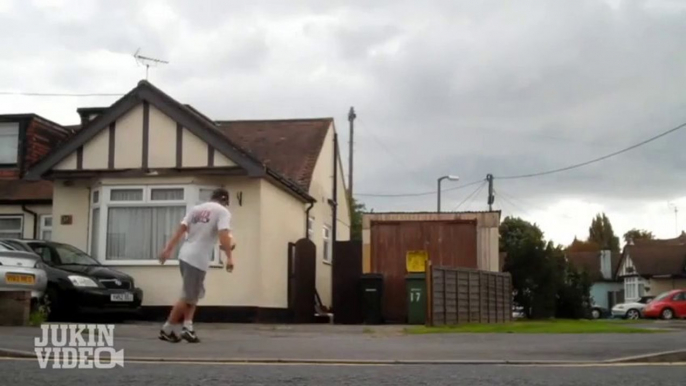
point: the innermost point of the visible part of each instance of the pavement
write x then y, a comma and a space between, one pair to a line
27, 373
366, 344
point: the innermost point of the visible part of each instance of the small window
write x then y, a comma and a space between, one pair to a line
126, 195
9, 142
327, 244
46, 227
165, 194
96, 197
310, 228
204, 195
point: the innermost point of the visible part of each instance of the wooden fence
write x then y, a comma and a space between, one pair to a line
461, 295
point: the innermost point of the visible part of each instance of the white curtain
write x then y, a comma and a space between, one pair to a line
140, 233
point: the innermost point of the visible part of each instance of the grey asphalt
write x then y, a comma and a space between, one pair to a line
27, 373
369, 343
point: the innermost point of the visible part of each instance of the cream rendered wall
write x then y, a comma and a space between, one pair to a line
128, 136
194, 150
282, 220
68, 163
95, 151
161, 140
321, 188
160, 284
658, 286
27, 223
71, 200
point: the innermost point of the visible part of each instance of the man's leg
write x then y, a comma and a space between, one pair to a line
170, 328
196, 291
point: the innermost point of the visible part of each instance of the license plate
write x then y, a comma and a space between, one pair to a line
122, 297
16, 278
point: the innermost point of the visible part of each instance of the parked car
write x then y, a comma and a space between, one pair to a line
77, 283
631, 310
598, 312
668, 305
22, 270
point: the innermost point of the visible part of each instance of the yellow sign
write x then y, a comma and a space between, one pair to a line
415, 261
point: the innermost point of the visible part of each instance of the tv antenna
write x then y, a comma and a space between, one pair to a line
676, 216
147, 61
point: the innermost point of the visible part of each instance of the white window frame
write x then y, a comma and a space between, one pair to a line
326, 244
191, 198
13, 133
632, 288
21, 223
43, 228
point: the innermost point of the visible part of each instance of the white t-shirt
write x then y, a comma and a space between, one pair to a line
204, 222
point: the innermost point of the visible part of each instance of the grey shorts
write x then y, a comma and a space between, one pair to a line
193, 283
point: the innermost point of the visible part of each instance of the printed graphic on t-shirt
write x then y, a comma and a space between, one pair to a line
202, 216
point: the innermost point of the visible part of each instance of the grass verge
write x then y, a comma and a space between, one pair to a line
540, 327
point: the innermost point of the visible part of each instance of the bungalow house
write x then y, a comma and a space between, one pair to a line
123, 182
607, 290
649, 268
25, 206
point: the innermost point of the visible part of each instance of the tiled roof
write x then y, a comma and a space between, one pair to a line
291, 147
654, 259
21, 191
590, 262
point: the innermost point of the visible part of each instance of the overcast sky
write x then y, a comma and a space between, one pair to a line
445, 87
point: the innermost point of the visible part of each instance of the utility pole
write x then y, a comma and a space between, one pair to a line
351, 119
491, 196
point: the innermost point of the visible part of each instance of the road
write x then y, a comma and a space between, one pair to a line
27, 373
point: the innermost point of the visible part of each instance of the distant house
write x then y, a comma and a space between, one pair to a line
124, 181
25, 206
607, 289
651, 267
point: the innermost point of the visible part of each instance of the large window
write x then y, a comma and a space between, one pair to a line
132, 224
634, 288
11, 227
9, 142
327, 244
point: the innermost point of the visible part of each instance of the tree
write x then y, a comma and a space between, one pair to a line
544, 284
528, 263
358, 209
582, 246
638, 234
601, 233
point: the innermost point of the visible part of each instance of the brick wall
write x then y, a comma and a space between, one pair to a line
15, 307
9, 174
41, 138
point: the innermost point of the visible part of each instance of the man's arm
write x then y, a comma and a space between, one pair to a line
225, 238
171, 244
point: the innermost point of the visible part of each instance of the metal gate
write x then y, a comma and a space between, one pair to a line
302, 276
346, 273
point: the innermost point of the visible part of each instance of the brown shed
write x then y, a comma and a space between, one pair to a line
459, 240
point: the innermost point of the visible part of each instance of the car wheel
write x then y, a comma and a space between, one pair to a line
595, 313
633, 314
667, 314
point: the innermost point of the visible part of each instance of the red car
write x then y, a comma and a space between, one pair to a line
669, 305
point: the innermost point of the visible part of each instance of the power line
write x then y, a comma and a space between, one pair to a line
524, 202
471, 195
418, 194
596, 159
48, 94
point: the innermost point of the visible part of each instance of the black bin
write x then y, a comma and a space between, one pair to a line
372, 296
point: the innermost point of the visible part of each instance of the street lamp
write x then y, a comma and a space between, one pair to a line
450, 178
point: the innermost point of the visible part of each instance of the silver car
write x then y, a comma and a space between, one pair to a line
22, 271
